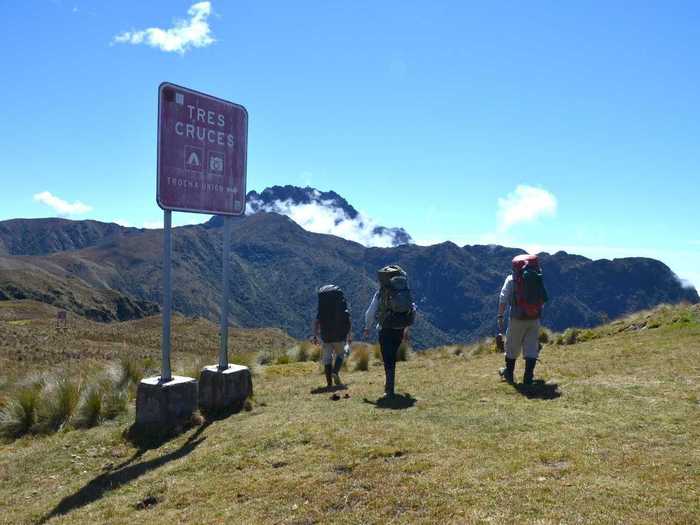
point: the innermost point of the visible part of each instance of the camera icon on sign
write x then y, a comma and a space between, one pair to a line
216, 163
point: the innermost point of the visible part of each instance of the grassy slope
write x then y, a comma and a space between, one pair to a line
619, 445
29, 341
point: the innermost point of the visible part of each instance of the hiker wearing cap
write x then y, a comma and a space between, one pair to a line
523, 291
391, 311
334, 325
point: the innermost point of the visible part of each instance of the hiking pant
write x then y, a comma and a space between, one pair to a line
523, 336
389, 342
331, 351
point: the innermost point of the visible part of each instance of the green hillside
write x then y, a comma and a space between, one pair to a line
610, 437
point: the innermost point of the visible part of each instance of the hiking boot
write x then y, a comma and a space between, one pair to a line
529, 371
507, 371
336, 379
328, 370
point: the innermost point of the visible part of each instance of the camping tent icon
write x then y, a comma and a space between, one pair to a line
193, 160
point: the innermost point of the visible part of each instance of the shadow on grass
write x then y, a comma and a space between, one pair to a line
538, 390
327, 389
222, 413
124, 473
395, 402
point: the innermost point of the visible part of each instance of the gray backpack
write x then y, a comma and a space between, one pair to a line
396, 307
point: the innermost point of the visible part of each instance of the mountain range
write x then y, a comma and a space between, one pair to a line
109, 272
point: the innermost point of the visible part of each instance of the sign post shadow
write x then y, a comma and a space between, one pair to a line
202, 158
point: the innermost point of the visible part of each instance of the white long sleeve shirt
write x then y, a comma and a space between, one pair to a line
506, 296
371, 313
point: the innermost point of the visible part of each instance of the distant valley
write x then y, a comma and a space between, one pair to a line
108, 272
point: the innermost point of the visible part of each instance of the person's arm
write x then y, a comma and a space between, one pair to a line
503, 300
349, 336
371, 314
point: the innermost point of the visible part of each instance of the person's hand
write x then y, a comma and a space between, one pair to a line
349, 338
314, 339
499, 342
365, 333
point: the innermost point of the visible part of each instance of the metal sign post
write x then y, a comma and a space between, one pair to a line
202, 158
165, 373
223, 347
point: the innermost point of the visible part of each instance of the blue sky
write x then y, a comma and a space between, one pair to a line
544, 125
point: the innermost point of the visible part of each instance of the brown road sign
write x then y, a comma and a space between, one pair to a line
202, 152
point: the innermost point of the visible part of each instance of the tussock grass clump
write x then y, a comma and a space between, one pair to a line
304, 351
240, 359
132, 371
52, 404
264, 357
404, 352
545, 335
101, 400
193, 367
90, 408
360, 357
59, 402
20, 413
570, 336
456, 350
315, 353
377, 352
114, 402
484, 346
283, 360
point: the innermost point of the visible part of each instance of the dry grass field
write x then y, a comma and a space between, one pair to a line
609, 436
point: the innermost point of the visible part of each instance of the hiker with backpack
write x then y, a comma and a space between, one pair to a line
524, 292
334, 326
391, 311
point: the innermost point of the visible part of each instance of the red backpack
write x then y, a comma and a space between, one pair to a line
529, 294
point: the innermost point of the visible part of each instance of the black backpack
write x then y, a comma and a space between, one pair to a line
396, 307
333, 314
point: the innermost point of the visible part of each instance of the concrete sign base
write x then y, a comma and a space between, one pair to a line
165, 405
224, 390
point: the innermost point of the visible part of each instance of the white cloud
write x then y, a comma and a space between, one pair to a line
525, 204
61, 207
194, 32
322, 216
690, 280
